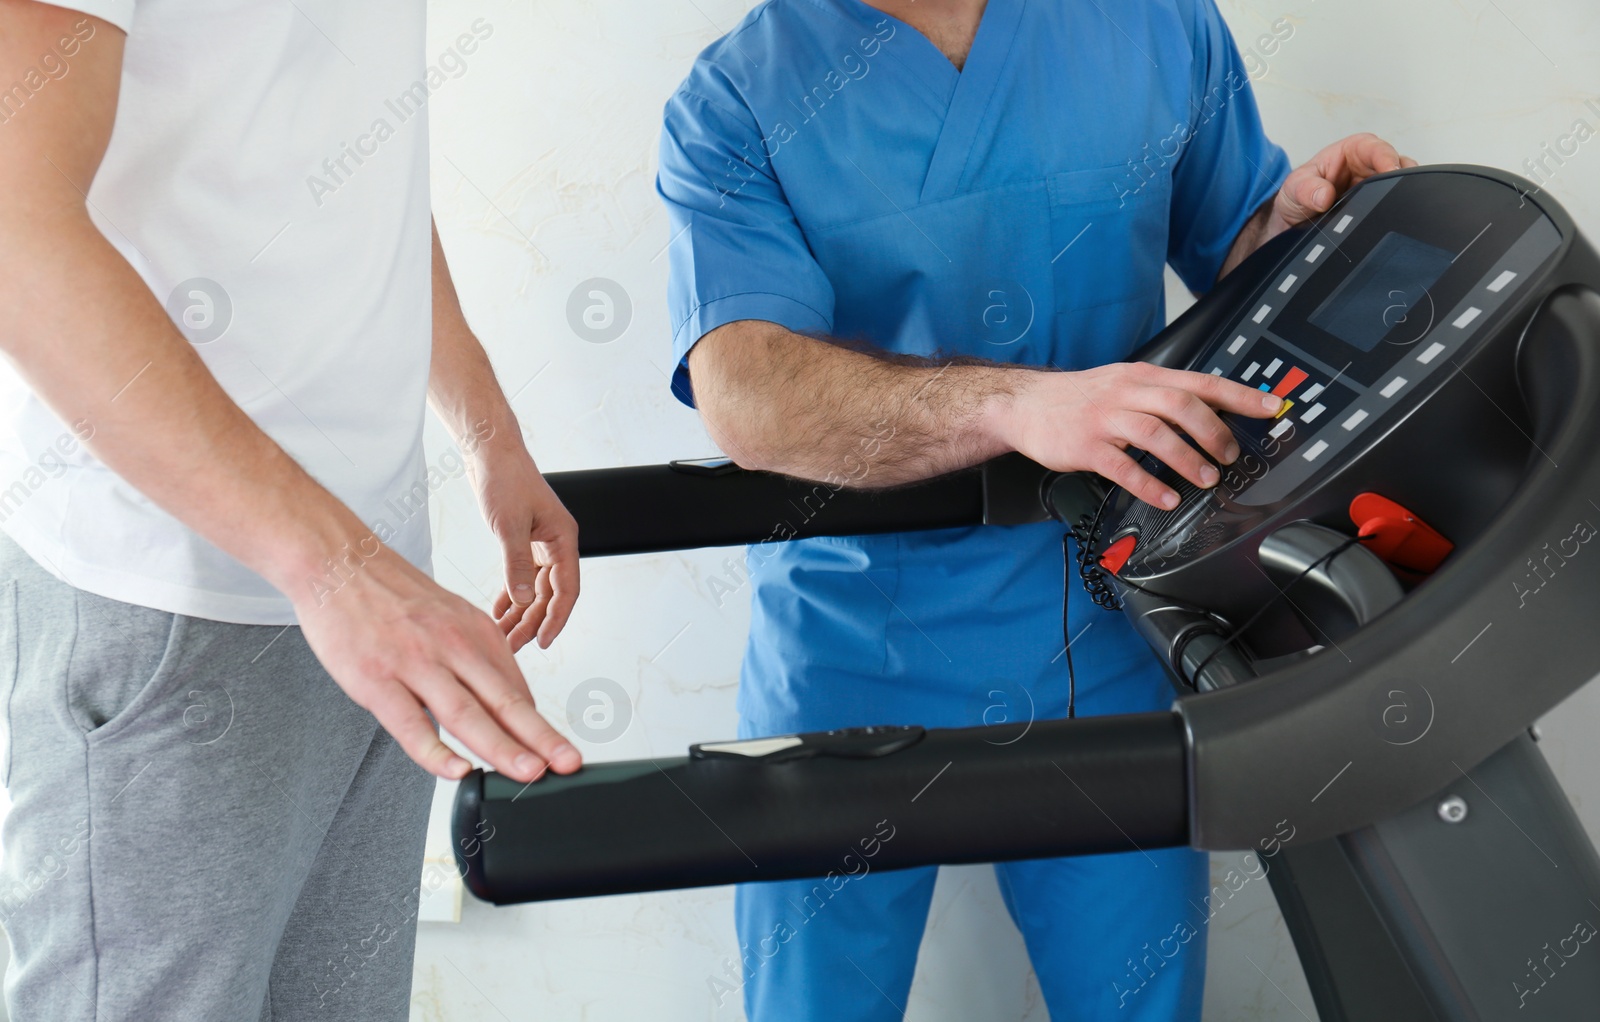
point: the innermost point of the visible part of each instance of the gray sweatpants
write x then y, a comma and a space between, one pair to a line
204, 827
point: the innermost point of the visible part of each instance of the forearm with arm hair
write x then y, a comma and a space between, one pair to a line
783, 402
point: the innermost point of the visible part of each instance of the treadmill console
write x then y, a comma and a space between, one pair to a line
1372, 310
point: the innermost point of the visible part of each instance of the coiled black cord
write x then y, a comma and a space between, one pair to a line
1096, 581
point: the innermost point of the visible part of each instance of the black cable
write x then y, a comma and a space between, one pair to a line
1283, 593
1095, 579
1086, 531
1173, 600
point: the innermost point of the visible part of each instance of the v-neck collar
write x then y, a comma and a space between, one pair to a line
916, 52
968, 90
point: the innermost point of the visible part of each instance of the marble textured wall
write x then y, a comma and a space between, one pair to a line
544, 151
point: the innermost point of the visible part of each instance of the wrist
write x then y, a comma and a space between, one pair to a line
998, 423
483, 429
325, 554
474, 411
494, 440
483, 425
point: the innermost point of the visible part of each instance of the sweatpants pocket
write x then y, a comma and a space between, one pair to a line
120, 663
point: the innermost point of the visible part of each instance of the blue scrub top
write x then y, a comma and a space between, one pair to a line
828, 169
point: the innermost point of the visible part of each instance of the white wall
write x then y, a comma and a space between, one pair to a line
544, 156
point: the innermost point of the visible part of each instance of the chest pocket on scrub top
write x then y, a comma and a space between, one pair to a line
1108, 229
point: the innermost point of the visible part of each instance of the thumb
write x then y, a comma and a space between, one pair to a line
520, 568
1305, 195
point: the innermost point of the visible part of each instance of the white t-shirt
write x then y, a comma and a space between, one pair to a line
268, 178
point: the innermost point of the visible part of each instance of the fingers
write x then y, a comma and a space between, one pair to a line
1164, 403
523, 623
563, 581
404, 649
1305, 195
1116, 465
463, 713
520, 567
514, 627
1367, 154
458, 710
1227, 396
501, 695
1151, 434
400, 714
1193, 416
1313, 187
541, 577
1223, 395
553, 600
551, 746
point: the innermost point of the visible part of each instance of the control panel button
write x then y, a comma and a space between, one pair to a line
1311, 395
1291, 379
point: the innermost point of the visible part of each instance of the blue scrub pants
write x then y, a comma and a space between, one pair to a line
1112, 937
1105, 933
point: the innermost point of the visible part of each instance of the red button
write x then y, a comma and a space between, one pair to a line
1291, 379
1117, 554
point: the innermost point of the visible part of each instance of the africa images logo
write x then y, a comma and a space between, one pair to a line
337, 170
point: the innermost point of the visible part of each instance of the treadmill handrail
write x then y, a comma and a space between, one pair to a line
670, 509
1032, 789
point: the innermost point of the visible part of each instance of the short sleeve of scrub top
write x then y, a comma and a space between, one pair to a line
1228, 167
736, 250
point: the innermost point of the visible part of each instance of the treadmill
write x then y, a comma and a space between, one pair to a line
1361, 623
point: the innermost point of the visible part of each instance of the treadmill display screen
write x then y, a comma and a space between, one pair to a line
1379, 294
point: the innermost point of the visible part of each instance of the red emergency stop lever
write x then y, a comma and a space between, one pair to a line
1398, 537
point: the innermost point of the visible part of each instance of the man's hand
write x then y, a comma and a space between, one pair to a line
540, 540
1312, 188
538, 536
398, 644
783, 402
1073, 422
